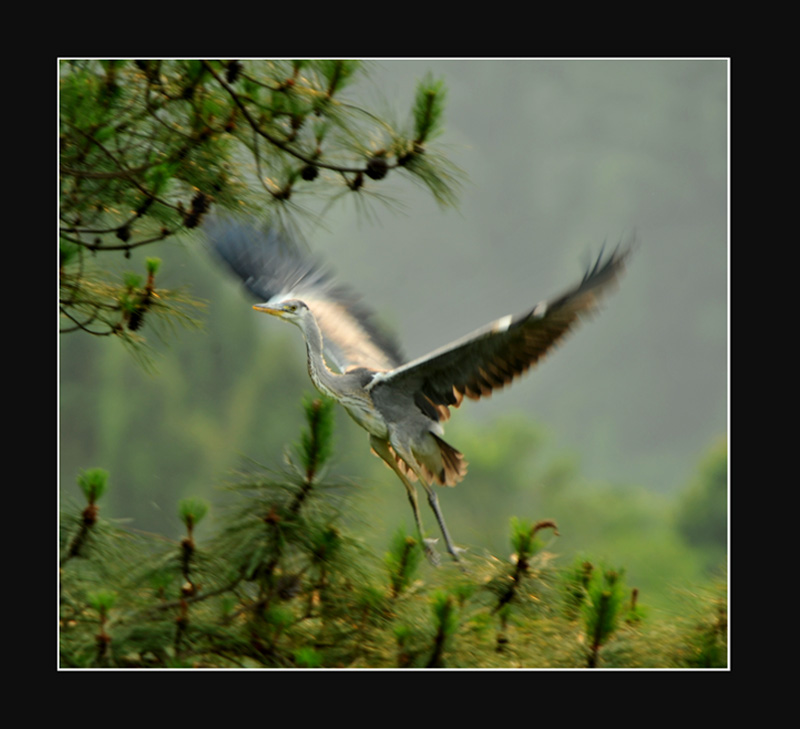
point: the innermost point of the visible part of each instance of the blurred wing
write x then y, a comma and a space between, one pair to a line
274, 269
493, 356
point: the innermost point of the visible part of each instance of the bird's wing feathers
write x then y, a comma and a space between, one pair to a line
274, 269
493, 356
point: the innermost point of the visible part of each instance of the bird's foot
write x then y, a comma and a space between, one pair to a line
429, 546
456, 552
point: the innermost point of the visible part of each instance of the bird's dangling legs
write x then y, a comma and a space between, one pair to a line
434, 503
381, 448
409, 459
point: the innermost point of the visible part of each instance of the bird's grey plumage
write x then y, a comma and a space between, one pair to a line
401, 405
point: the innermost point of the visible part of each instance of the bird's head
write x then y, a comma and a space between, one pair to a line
292, 310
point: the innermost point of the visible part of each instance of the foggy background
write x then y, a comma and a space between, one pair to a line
560, 156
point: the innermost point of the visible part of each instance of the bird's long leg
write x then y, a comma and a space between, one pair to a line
434, 503
432, 500
381, 448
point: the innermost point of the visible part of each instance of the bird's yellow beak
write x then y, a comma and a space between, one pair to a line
268, 309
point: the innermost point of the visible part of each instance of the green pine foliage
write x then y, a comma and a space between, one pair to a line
149, 148
279, 580
602, 608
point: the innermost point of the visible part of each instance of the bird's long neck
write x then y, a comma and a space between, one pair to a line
344, 388
322, 377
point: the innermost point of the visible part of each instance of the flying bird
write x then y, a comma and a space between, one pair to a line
401, 404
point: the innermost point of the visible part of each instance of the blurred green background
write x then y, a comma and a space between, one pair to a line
619, 436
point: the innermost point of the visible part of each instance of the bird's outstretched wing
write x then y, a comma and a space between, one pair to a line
494, 355
274, 269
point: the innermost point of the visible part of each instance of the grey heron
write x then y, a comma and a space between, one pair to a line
401, 404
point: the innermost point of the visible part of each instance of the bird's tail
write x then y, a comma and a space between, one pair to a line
449, 471
454, 467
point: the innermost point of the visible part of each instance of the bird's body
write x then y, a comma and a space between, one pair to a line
401, 405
